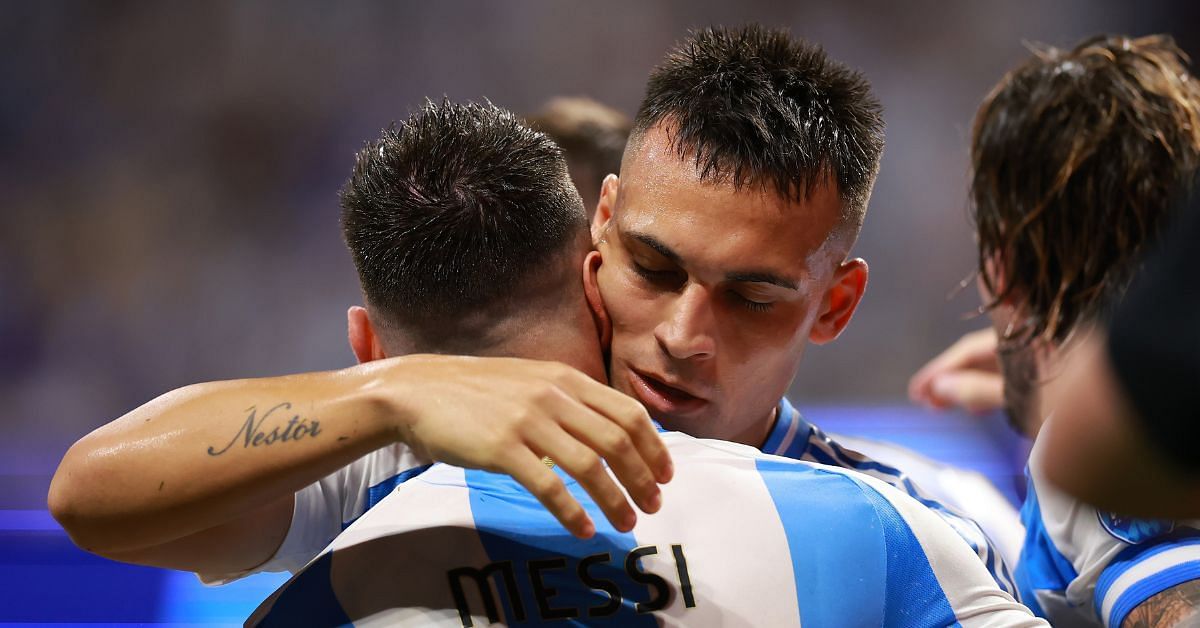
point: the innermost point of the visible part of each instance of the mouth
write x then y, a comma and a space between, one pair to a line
662, 398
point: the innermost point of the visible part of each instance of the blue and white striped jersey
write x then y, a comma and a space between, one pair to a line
1081, 566
325, 508
796, 438
743, 538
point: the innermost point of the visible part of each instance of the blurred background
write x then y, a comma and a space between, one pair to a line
169, 176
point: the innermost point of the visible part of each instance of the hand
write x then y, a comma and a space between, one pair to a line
966, 375
505, 414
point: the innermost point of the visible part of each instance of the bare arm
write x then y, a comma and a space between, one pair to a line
202, 478
205, 455
1178, 607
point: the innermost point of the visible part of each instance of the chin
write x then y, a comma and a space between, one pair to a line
697, 426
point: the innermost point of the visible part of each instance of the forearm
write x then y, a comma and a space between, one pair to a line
204, 455
215, 455
1175, 607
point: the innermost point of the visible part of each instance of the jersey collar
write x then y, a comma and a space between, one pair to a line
789, 432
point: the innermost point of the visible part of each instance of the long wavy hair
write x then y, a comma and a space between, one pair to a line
1078, 158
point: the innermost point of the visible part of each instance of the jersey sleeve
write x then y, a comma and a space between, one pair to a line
793, 437
933, 579
1082, 564
326, 507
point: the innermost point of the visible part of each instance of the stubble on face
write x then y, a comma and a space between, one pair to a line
709, 354
1018, 367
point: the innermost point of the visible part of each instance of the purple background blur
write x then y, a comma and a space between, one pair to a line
169, 171
169, 176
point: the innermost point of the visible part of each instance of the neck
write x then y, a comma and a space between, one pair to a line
756, 434
1049, 360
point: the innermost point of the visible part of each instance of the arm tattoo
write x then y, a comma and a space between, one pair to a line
251, 432
1178, 606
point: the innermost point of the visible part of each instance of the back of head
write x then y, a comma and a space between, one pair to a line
1078, 157
753, 106
591, 135
458, 219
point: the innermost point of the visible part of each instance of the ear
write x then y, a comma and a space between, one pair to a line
840, 301
591, 289
604, 208
993, 270
364, 342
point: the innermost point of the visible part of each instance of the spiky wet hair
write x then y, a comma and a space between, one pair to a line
452, 210
755, 106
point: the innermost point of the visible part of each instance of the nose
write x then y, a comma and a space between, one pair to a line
689, 331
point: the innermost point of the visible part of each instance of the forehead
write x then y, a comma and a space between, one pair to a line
663, 196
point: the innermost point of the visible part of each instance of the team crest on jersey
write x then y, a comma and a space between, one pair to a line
1134, 531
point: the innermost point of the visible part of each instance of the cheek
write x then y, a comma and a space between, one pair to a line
764, 377
629, 306
765, 355
758, 338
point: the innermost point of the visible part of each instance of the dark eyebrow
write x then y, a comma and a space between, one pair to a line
655, 244
763, 278
745, 276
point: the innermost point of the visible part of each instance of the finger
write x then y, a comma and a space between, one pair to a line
975, 391
979, 350
527, 468
920, 386
631, 417
586, 466
975, 350
973, 347
617, 447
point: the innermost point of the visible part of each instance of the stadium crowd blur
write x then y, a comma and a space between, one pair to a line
170, 173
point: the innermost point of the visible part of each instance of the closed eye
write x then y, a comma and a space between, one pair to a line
656, 276
750, 304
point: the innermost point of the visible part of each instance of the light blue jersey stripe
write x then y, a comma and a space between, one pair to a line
518, 528
912, 585
892, 582
987, 554
806, 446
308, 600
1135, 554
1147, 588
1042, 566
1152, 585
789, 434
827, 593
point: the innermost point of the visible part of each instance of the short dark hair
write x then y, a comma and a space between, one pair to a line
1078, 157
755, 106
454, 210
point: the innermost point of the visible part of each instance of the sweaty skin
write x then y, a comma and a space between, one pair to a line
746, 279
714, 291
178, 483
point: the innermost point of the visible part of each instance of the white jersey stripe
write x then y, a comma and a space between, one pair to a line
1144, 570
743, 539
819, 447
968, 586
711, 544
1083, 565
